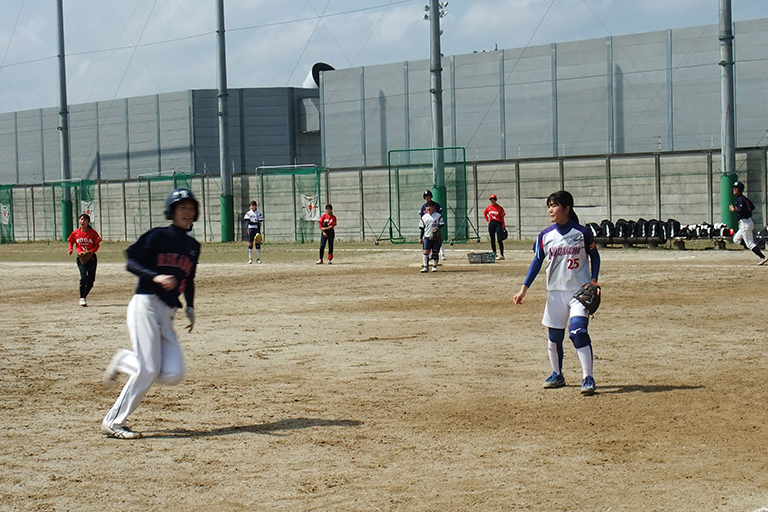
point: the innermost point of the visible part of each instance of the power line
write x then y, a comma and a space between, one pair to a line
5, 55
205, 34
319, 20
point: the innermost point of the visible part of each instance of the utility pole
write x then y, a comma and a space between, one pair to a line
727, 129
435, 11
227, 204
66, 173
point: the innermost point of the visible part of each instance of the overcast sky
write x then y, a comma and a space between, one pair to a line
122, 48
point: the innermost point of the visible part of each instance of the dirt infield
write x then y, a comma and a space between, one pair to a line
368, 386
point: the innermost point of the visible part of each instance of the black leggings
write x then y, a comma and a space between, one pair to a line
87, 276
494, 230
329, 240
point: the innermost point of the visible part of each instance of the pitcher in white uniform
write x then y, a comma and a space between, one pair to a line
572, 260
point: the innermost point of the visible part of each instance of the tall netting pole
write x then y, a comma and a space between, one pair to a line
227, 202
436, 82
727, 129
66, 173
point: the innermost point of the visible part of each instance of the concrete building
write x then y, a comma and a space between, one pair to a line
131, 137
640, 93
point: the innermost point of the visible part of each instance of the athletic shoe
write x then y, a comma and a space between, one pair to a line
588, 386
110, 374
434, 268
500, 257
258, 260
554, 381
119, 432
83, 302
424, 270
319, 262
250, 261
763, 261
330, 262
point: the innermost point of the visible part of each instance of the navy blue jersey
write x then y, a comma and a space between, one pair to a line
167, 250
743, 207
438, 208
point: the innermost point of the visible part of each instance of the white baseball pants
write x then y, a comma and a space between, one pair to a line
746, 233
156, 355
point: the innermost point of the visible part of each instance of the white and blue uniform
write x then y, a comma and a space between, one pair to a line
572, 260
430, 243
743, 208
254, 218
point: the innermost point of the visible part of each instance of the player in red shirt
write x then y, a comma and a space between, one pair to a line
494, 216
85, 240
327, 223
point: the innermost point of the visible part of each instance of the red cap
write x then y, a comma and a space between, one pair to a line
493, 196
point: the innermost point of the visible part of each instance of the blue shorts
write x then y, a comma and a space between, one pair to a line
432, 245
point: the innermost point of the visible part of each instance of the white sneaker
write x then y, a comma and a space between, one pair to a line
424, 270
110, 374
250, 261
434, 268
258, 260
119, 432
319, 262
763, 261
83, 302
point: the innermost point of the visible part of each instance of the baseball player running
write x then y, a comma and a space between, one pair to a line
85, 241
430, 236
255, 219
566, 246
165, 261
743, 208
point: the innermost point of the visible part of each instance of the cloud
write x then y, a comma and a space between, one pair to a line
267, 39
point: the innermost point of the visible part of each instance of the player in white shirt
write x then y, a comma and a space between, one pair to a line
255, 220
566, 246
430, 236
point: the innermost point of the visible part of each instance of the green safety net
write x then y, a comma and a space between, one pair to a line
411, 172
291, 193
6, 214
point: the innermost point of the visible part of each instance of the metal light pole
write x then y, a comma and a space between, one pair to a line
435, 11
66, 173
227, 203
727, 130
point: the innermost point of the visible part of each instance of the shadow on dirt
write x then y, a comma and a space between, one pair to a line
272, 428
636, 388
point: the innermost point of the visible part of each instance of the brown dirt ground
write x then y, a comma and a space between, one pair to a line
368, 386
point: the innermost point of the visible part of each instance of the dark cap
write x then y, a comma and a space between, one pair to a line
427, 193
739, 185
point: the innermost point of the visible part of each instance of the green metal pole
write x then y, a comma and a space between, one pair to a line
439, 196
66, 219
726, 200
227, 219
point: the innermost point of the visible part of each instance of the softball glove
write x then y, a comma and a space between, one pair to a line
85, 257
589, 296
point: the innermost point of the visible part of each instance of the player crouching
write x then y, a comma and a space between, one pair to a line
430, 237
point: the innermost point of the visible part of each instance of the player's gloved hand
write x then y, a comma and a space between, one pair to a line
190, 312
